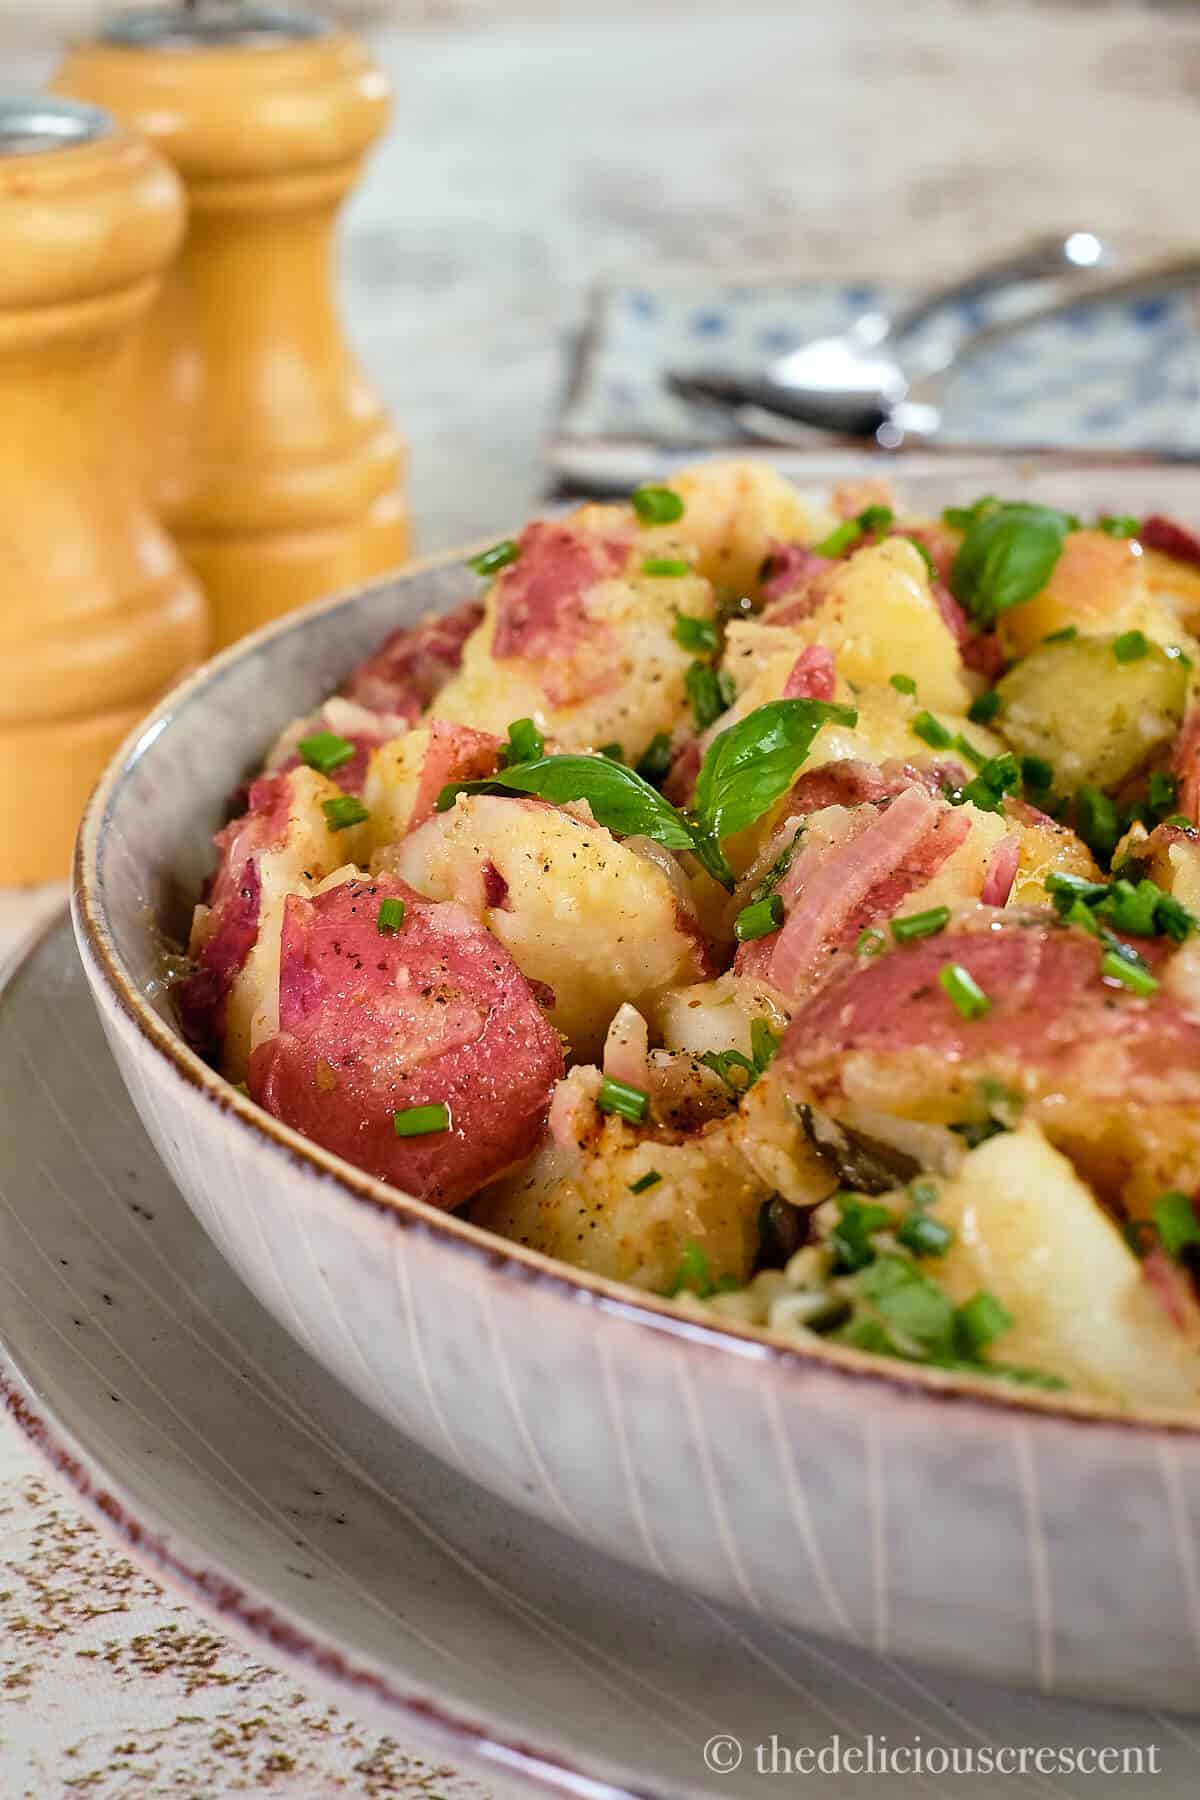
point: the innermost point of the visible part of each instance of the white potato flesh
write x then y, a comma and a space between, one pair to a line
1028, 1230
310, 853
587, 915
879, 618
717, 1015
634, 689
393, 777
576, 1203
736, 512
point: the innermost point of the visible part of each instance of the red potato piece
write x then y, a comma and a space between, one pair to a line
812, 676
1161, 533
541, 609
1185, 764
455, 753
791, 572
228, 929
579, 634
1112, 1079
373, 1023
411, 667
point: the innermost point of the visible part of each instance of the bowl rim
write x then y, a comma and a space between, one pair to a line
889, 1377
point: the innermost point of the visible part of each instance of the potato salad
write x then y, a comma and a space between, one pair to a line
785, 905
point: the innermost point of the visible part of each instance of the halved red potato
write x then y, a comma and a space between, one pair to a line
413, 665
579, 637
588, 1197
374, 1023
594, 919
283, 844
407, 774
882, 1053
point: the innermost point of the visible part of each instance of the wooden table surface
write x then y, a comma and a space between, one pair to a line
530, 158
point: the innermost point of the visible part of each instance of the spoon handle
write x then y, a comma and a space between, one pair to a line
1069, 258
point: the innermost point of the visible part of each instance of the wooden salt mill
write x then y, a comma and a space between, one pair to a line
97, 615
268, 457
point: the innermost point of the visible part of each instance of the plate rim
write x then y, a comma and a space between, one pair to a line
509, 1260
276, 1633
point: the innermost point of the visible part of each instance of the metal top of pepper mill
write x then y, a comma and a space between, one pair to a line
212, 25
31, 124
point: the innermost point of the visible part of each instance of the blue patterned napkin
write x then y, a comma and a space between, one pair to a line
1120, 376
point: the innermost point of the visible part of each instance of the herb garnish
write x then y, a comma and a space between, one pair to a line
1008, 555
325, 751
490, 562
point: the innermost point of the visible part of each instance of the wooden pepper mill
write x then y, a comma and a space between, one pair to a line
97, 614
267, 455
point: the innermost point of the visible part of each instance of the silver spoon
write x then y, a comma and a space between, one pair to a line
854, 381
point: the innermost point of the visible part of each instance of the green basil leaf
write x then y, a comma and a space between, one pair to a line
750, 764
617, 795
1007, 556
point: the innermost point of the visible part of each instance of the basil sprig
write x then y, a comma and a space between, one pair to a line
747, 767
1007, 556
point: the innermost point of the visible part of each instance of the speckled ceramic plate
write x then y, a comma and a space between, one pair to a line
232, 1465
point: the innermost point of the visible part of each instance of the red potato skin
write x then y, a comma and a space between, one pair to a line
455, 753
411, 667
372, 1023
1161, 533
233, 894
1051, 1011
542, 615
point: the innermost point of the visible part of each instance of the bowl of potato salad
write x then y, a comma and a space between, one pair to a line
692, 1010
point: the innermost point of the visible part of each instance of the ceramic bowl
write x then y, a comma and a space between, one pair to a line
1037, 1539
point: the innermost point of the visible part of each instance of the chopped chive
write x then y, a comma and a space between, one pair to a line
1131, 646
669, 567
903, 684
1130, 908
390, 916
920, 924
759, 919
525, 743
1173, 919
969, 998
346, 810
325, 751
1162, 791
694, 1272
722, 1062
763, 1044
645, 1182
1037, 773
656, 505
1063, 635
1065, 890
1096, 820
613, 752
1174, 1216
618, 1097
420, 1121
984, 707
705, 693
1179, 655
998, 776
924, 1236
875, 518
980, 1320
695, 634
840, 539
870, 941
490, 562
1135, 976
1119, 525
922, 1191
850, 1239
977, 758
656, 760
925, 554
932, 731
